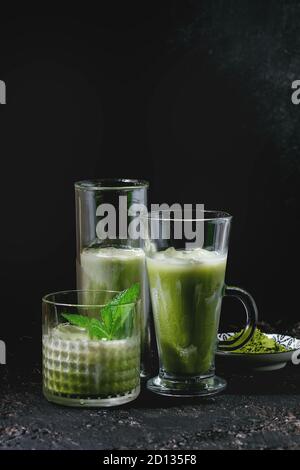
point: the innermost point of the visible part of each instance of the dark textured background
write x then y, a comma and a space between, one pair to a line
194, 96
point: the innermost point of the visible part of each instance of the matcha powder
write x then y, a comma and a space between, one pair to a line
260, 343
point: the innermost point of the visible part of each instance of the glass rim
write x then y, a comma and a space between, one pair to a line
164, 215
111, 184
46, 298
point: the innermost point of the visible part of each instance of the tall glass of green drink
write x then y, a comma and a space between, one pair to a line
110, 252
186, 256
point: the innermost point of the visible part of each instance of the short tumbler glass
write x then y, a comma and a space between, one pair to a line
79, 369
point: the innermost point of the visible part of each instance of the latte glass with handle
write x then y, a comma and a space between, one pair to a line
186, 255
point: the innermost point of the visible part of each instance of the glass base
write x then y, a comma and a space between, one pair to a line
184, 388
91, 402
144, 375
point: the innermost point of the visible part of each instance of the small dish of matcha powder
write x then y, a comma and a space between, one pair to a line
260, 343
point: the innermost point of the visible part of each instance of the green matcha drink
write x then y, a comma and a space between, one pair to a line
186, 291
112, 268
74, 365
94, 358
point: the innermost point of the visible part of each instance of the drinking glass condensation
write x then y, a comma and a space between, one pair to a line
80, 370
187, 284
112, 259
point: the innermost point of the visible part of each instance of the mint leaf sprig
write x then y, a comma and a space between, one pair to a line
113, 317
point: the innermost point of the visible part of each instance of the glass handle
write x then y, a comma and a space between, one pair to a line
251, 319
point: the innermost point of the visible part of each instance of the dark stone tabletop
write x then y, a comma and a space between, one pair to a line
258, 411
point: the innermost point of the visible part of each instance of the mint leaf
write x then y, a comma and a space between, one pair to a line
123, 321
117, 311
94, 327
127, 296
116, 317
78, 320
